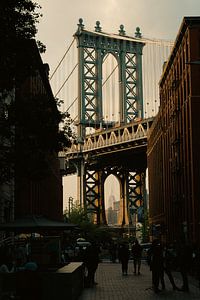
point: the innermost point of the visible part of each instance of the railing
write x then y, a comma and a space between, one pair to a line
115, 136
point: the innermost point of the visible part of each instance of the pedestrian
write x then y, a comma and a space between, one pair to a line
91, 260
156, 265
113, 252
168, 259
123, 254
184, 256
137, 254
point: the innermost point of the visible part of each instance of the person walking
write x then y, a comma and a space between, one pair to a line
156, 265
91, 260
184, 256
137, 254
168, 260
124, 258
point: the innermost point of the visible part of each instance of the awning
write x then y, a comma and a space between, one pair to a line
35, 224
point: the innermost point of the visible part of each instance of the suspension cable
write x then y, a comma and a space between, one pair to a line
147, 40
74, 119
110, 75
62, 59
157, 41
72, 103
66, 80
77, 97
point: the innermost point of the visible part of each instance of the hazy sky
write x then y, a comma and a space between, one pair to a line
156, 19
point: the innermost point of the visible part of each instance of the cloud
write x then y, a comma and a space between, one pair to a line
156, 18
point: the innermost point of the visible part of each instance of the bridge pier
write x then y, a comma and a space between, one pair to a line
119, 151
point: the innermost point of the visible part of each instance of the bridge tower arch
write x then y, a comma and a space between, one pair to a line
110, 89
93, 46
131, 198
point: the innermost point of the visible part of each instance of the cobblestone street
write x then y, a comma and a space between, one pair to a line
113, 286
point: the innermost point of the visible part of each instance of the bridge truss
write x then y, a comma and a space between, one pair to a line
117, 148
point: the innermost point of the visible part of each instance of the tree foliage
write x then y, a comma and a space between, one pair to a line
66, 135
19, 19
87, 229
76, 215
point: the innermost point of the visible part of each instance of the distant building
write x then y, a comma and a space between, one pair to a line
116, 205
111, 200
173, 143
112, 213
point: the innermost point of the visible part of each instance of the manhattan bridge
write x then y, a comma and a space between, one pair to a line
109, 85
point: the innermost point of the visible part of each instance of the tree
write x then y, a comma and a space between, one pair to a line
18, 19
88, 229
76, 214
66, 135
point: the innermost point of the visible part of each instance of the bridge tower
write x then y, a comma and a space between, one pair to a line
93, 46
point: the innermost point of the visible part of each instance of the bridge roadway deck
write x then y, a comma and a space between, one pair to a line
113, 286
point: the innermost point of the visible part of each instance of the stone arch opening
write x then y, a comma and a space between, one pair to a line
112, 199
110, 89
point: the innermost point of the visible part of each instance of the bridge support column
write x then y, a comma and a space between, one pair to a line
123, 218
136, 192
81, 183
94, 196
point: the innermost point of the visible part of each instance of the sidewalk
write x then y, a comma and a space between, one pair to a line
113, 286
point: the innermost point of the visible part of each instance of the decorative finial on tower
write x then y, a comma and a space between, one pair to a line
121, 30
138, 33
98, 27
80, 24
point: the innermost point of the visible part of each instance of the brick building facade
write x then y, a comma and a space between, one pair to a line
174, 142
37, 182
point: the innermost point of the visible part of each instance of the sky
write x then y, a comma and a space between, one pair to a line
159, 19
156, 18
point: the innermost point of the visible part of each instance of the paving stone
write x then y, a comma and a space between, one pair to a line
112, 285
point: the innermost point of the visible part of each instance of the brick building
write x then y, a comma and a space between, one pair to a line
36, 187
174, 142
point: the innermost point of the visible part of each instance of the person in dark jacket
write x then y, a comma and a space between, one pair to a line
184, 256
156, 265
168, 259
137, 254
123, 255
91, 260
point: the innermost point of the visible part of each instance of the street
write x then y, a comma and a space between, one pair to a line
113, 286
